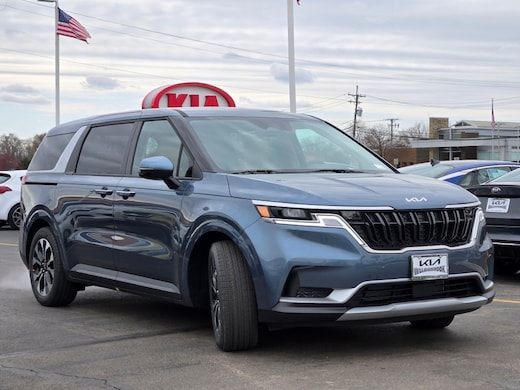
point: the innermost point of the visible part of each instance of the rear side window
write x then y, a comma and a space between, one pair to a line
104, 150
49, 152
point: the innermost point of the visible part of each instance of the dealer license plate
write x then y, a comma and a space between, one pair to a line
430, 266
498, 205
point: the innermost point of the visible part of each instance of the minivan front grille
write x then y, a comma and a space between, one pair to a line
395, 230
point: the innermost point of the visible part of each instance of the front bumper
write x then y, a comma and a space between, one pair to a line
388, 301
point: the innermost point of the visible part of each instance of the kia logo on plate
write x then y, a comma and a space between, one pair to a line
494, 190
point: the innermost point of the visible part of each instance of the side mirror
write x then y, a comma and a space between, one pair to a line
158, 168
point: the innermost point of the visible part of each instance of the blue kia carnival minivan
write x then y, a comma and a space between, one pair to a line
265, 218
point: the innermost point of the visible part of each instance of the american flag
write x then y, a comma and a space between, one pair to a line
493, 123
70, 27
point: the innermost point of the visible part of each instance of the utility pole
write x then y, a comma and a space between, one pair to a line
357, 111
392, 125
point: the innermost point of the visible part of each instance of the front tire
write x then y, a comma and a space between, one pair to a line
232, 298
48, 282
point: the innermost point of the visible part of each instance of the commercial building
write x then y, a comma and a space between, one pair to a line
469, 139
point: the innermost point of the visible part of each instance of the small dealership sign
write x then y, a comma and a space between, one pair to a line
190, 94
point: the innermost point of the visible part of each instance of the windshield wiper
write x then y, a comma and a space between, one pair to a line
336, 170
255, 171
270, 171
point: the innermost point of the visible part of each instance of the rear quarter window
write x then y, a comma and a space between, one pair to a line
49, 152
105, 149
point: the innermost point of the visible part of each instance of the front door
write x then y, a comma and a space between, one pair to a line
148, 217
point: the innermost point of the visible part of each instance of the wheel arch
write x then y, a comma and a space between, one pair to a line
37, 220
195, 272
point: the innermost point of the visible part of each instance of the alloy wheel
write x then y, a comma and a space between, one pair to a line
43, 267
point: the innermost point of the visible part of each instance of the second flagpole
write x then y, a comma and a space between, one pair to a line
290, 33
56, 59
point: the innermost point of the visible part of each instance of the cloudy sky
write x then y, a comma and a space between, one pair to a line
411, 59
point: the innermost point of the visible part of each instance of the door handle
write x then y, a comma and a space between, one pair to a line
103, 191
126, 193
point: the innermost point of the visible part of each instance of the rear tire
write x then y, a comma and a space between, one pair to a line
433, 323
232, 298
48, 282
15, 217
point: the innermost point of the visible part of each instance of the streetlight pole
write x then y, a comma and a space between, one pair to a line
290, 34
56, 59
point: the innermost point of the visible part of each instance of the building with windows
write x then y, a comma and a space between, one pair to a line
469, 139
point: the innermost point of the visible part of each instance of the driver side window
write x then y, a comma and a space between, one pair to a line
158, 138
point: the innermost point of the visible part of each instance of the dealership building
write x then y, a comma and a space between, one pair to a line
468, 139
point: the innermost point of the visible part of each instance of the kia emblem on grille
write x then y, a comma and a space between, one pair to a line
494, 190
414, 199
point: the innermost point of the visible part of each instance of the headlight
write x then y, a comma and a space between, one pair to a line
283, 212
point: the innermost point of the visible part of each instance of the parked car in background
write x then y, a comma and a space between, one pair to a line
10, 183
465, 173
501, 203
264, 218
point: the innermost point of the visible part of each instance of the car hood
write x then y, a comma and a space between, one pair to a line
350, 189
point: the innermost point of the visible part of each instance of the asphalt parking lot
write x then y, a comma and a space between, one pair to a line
112, 340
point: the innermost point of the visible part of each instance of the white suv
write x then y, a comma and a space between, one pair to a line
10, 183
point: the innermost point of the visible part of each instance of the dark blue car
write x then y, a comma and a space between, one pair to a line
465, 173
501, 204
263, 217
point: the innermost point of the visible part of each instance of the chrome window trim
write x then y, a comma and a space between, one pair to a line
61, 165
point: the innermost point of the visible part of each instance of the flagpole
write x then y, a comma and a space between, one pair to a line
57, 63
290, 34
493, 124
56, 59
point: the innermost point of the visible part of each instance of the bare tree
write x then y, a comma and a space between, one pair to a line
11, 151
10, 143
376, 138
417, 131
30, 147
16, 153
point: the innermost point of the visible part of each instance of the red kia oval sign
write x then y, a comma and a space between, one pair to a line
190, 94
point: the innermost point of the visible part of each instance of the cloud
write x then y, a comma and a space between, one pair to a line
101, 82
23, 94
12, 98
280, 72
19, 88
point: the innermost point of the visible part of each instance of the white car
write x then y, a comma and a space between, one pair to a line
10, 183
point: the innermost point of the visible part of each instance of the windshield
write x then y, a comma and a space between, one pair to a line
511, 177
268, 145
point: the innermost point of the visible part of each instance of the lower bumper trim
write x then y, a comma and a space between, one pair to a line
413, 309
